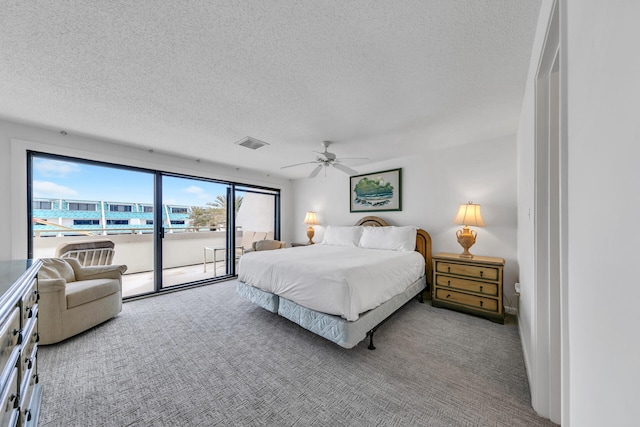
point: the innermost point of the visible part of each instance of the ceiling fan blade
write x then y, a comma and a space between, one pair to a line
345, 169
316, 171
297, 164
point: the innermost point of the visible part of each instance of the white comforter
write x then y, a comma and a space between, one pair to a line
343, 281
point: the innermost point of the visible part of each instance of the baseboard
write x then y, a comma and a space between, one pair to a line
527, 365
511, 310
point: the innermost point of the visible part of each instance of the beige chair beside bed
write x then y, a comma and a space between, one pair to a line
74, 298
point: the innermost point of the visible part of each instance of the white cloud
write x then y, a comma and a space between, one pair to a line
194, 189
54, 168
197, 191
51, 189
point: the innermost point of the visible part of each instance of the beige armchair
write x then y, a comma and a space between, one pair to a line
74, 298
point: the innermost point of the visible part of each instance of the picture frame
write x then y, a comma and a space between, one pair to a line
376, 192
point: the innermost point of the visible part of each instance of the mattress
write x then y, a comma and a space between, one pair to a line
336, 280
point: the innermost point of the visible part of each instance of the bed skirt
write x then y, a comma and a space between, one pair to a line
345, 333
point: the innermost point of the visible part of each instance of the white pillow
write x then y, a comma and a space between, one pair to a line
342, 236
390, 238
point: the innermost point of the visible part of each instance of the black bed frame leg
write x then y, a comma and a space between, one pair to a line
370, 333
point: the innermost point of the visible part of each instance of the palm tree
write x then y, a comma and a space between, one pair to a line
215, 214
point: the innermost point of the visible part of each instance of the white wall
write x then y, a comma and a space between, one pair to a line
604, 188
433, 186
16, 138
601, 343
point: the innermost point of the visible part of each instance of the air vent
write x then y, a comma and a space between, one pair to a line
251, 143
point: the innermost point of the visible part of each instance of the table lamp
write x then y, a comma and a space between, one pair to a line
468, 215
310, 220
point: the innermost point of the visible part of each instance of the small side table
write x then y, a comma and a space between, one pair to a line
472, 285
215, 250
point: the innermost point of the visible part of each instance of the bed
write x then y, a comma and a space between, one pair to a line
346, 287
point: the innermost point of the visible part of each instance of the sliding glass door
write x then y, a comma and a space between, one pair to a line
194, 230
83, 209
170, 230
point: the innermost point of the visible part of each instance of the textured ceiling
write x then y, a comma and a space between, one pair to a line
386, 78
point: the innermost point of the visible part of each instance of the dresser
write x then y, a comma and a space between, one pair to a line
472, 285
21, 393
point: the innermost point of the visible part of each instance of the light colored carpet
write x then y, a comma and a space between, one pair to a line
207, 357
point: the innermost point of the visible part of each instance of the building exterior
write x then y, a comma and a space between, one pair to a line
66, 216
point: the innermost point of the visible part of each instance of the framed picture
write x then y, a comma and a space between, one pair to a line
376, 192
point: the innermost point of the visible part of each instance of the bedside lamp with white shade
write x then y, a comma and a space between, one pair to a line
468, 215
311, 220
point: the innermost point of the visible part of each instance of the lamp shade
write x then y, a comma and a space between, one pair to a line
310, 218
469, 214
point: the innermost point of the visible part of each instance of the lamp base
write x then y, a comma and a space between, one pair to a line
310, 234
466, 238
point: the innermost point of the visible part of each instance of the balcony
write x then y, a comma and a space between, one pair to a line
183, 253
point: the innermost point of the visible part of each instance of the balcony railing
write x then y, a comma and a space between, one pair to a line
182, 252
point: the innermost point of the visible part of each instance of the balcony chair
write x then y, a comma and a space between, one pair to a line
90, 252
74, 298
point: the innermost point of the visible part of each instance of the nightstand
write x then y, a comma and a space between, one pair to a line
472, 285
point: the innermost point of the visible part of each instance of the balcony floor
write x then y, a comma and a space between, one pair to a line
141, 283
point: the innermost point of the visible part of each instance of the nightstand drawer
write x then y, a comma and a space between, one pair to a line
487, 304
480, 272
467, 285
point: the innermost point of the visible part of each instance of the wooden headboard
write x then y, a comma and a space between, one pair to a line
423, 240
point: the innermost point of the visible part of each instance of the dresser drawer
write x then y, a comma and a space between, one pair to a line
10, 338
467, 285
28, 387
476, 271
29, 302
9, 409
447, 295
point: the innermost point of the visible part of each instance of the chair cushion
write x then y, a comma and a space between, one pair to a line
54, 268
85, 291
267, 245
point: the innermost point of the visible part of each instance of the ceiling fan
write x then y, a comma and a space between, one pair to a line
326, 159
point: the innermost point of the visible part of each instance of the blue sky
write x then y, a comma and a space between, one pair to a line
79, 181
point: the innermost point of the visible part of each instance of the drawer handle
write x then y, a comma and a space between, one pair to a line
37, 336
448, 282
14, 398
448, 269
29, 363
481, 273
480, 288
448, 295
19, 333
27, 413
29, 312
481, 302
36, 379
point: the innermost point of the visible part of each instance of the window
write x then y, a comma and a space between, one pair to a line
149, 222
37, 204
86, 222
117, 222
177, 222
179, 211
74, 206
148, 209
120, 208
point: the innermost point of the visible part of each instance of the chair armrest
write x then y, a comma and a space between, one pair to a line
51, 285
100, 272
